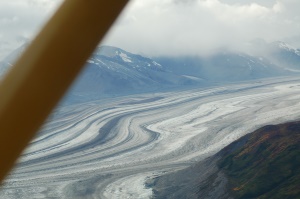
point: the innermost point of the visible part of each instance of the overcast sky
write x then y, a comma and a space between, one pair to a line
169, 27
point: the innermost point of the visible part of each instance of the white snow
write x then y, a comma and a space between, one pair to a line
192, 77
129, 187
286, 46
100, 61
74, 153
155, 63
125, 57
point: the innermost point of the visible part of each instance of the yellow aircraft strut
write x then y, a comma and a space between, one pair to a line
44, 72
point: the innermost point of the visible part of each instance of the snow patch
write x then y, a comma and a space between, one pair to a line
286, 46
129, 187
125, 57
192, 77
100, 61
156, 64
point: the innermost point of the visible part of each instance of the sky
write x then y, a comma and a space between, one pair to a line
168, 27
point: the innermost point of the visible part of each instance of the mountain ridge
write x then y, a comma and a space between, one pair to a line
261, 164
259, 60
112, 71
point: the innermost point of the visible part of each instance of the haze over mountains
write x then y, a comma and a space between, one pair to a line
260, 59
112, 71
113, 148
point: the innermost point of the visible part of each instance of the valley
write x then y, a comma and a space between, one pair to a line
180, 99
111, 148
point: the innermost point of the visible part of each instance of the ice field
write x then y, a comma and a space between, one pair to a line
109, 148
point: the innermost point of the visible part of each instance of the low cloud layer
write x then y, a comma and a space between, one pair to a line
169, 27
21, 20
187, 27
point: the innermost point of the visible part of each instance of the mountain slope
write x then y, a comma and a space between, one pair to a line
263, 164
111, 71
225, 66
267, 165
285, 55
262, 60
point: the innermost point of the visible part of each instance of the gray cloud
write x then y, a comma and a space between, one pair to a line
169, 27
177, 27
22, 19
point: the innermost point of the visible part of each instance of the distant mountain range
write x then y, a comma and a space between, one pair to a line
112, 71
262, 60
263, 164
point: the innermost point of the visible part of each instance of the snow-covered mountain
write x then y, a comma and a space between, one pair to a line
285, 55
265, 60
111, 71
225, 66
278, 53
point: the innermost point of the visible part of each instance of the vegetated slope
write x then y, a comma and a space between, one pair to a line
263, 164
267, 165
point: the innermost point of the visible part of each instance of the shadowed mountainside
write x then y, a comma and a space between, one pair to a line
111, 72
263, 164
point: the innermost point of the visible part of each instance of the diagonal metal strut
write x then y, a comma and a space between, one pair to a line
47, 68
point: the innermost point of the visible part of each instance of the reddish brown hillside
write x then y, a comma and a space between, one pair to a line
267, 165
